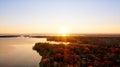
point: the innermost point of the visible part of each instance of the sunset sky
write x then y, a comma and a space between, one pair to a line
48, 16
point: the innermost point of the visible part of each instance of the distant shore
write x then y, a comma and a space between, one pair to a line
8, 36
52, 36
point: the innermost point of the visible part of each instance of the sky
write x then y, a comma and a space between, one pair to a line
48, 16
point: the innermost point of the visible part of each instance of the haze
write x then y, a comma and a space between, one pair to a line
48, 16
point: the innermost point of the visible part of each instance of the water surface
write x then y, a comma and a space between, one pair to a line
17, 52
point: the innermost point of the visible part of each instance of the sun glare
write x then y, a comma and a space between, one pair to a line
63, 31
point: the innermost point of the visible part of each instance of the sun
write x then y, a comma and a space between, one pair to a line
63, 31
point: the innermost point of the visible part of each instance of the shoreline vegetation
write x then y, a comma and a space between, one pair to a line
80, 52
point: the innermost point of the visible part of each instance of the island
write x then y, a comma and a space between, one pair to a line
80, 52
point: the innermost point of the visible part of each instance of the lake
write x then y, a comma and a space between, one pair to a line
18, 52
